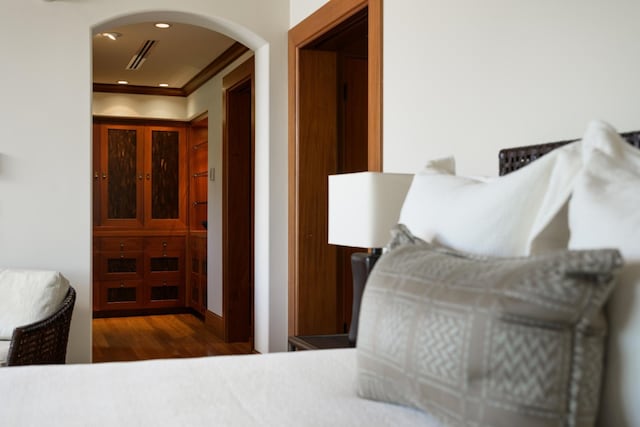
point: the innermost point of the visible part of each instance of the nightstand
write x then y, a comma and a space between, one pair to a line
317, 342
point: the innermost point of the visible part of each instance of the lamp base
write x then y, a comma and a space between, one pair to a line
361, 265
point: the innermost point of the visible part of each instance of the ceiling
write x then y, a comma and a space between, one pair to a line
180, 53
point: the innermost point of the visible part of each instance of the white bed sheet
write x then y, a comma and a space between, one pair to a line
306, 388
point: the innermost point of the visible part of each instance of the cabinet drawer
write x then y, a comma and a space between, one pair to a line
165, 264
120, 294
165, 293
120, 265
160, 244
121, 244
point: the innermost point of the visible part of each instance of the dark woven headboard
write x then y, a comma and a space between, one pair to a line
511, 159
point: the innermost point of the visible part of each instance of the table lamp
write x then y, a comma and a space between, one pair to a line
363, 208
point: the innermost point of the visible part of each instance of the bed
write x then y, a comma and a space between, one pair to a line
486, 289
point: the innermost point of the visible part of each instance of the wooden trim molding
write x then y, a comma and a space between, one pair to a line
322, 21
375, 85
137, 90
226, 58
138, 121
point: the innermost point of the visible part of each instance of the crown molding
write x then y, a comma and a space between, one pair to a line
235, 51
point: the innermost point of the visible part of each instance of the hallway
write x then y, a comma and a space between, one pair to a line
157, 337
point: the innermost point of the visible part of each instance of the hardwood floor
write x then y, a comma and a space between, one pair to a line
157, 337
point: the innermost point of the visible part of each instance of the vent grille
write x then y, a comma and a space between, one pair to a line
138, 59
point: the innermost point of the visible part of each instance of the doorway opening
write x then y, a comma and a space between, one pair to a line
335, 94
238, 148
164, 267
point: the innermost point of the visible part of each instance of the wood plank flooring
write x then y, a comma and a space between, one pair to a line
157, 337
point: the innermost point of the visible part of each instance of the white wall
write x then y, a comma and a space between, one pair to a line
471, 77
45, 154
300, 9
152, 107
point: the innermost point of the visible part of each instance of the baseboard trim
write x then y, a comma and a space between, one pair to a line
214, 323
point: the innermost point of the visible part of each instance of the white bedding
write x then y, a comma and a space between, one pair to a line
306, 388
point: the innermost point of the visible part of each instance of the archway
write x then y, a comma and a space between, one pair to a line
262, 303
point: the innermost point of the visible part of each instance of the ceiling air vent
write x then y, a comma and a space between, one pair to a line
138, 59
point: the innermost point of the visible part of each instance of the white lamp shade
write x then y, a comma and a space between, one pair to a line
364, 207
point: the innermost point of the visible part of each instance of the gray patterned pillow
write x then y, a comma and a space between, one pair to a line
479, 341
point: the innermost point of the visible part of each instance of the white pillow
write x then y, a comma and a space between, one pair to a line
604, 211
518, 214
27, 296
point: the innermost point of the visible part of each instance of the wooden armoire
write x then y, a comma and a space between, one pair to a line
144, 249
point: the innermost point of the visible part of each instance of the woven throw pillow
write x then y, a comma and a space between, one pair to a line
479, 341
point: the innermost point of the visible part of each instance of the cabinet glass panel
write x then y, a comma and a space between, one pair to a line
122, 265
165, 166
164, 292
158, 264
122, 188
121, 294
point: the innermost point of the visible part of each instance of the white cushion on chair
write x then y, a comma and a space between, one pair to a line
4, 350
27, 296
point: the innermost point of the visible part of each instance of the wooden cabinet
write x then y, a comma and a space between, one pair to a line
140, 214
119, 263
198, 197
165, 272
197, 287
139, 272
141, 176
199, 165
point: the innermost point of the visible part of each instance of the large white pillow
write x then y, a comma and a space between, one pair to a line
604, 211
518, 214
27, 296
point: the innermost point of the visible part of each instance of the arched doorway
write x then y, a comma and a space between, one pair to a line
262, 59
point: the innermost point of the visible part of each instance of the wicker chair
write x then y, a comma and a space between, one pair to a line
43, 342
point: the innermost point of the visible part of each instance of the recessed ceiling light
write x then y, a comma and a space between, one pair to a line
123, 82
164, 85
162, 25
111, 35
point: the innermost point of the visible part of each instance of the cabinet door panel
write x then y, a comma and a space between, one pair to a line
121, 180
165, 178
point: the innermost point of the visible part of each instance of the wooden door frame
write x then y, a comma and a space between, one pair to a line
242, 74
316, 25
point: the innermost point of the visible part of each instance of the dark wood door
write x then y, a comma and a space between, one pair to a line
238, 205
332, 137
317, 296
352, 150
